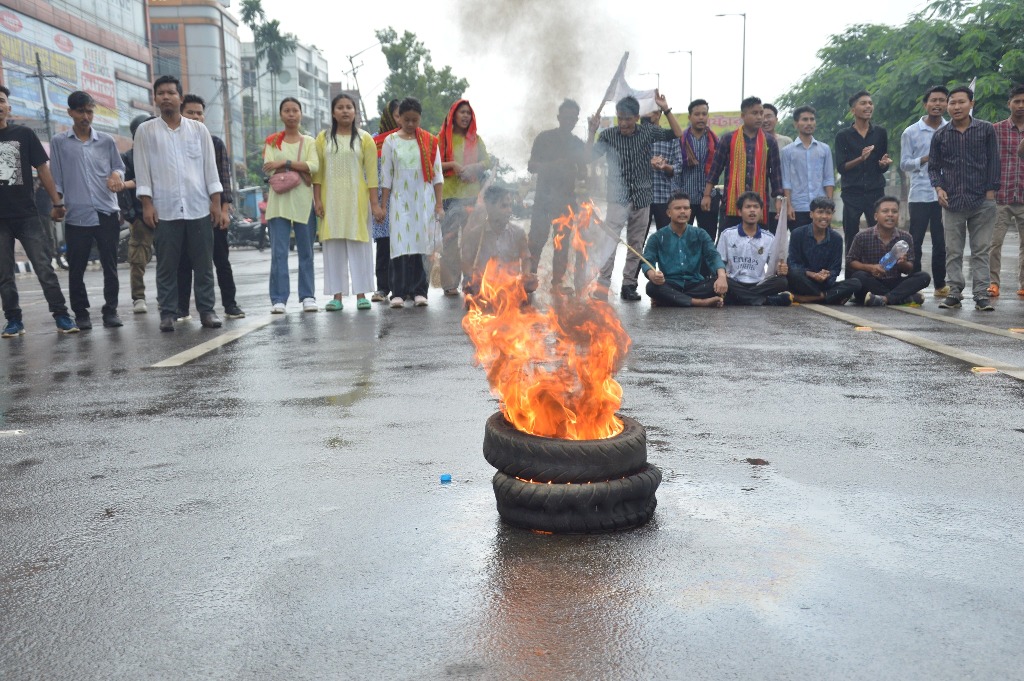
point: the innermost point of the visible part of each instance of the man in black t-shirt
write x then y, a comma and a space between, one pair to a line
862, 159
20, 152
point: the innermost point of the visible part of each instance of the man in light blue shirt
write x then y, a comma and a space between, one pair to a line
88, 170
925, 211
806, 169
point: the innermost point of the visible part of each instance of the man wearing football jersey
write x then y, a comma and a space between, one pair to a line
753, 278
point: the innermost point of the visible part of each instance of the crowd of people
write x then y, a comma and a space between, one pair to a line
407, 194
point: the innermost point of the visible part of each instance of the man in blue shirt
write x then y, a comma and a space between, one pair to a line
679, 250
816, 258
88, 171
806, 169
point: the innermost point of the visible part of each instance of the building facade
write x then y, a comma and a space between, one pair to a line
99, 46
303, 76
197, 41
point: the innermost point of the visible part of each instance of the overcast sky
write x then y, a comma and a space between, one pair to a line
522, 57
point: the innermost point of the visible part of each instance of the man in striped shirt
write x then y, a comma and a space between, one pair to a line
630, 185
1010, 197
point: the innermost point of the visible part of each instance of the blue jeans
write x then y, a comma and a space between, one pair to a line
280, 234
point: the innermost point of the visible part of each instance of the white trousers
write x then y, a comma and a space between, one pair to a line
341, 257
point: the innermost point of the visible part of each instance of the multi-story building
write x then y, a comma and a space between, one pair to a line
303, 76
99, 46
197, 40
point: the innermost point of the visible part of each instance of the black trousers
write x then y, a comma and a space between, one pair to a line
754, 294
408, 276
27, 231
670, 294
855, 204
896, 291
925, 217
544, 213
382, 264
79, 240
802, 218
225, 276
802, 285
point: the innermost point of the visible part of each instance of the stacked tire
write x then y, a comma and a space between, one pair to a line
571, 486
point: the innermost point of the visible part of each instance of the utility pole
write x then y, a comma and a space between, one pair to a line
355, 79
42, 93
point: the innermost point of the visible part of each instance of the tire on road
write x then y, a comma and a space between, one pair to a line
578, 509
543, 459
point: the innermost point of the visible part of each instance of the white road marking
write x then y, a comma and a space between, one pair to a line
223, 339
11, 432
971, 358
959, 322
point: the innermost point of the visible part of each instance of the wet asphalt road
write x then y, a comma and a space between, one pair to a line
272, 509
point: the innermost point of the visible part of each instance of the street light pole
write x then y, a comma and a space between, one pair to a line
743, 70
689, 52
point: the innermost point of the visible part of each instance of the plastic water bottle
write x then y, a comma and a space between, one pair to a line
899, 249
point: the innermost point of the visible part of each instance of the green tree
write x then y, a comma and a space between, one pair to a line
413, 75
272, 46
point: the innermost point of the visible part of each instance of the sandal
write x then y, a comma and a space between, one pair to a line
362, 304
334, 305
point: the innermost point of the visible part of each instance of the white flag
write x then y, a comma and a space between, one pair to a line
779, 250
619, 88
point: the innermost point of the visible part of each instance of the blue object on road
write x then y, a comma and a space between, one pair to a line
446, 477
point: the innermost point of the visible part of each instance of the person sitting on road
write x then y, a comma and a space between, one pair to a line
679, 250
745, 251
880, 286
495, 238
816, 258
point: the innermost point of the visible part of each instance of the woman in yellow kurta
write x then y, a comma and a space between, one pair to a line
344, 198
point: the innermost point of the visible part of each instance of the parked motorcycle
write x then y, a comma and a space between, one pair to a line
247, 232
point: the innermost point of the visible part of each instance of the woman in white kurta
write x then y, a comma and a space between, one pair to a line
412, 181
344, 197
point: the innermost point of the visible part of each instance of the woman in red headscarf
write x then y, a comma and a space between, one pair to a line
464, 161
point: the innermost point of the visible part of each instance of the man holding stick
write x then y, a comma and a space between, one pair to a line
746, 250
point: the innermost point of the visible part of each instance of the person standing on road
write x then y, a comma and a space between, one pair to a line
878, 285
411, 171
816, 258
630, 184
464, 160
750, 159
806, 169
667, 167
1010, 197
382, 228
292, 155
88, 172
862, 158
344, 195
681, 251
698, 145
140, 236
925, 211
963, 166
494, 238
771, 120
179, 187
558, 159
754, 279
193, 107
20, 152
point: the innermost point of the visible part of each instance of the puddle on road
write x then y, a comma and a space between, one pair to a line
757, 462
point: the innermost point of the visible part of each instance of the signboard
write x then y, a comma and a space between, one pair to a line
721, 122
68, 62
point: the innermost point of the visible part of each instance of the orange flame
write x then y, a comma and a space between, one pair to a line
552, 369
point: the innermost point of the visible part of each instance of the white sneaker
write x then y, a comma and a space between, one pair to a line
277, 308
309, 305
183, 318
421, 301
139, 306
397, 302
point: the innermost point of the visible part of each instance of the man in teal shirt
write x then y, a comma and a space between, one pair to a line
679, 250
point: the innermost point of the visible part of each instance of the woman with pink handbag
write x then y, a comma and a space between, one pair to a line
289, 158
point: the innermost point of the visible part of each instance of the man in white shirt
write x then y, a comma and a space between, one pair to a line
745, 251
925, 211
178, 185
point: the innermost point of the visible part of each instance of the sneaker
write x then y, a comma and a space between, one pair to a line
139, 306
65, 324
112, 321
984, 304
784, 299
83, 322
942, 292
397, 301
629, 293
951, 303
309, 305
182, 317
234, 312
993, 290
14, 328
873, 300
379, 296
420, 301
917, 299
277, 308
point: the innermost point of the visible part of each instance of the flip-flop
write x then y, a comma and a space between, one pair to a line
334, 306
362, 304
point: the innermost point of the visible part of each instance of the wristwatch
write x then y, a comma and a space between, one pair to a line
288, 164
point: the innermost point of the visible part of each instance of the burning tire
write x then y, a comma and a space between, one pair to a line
541, 459
578, 509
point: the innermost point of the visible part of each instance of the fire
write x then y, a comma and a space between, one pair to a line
552, 369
